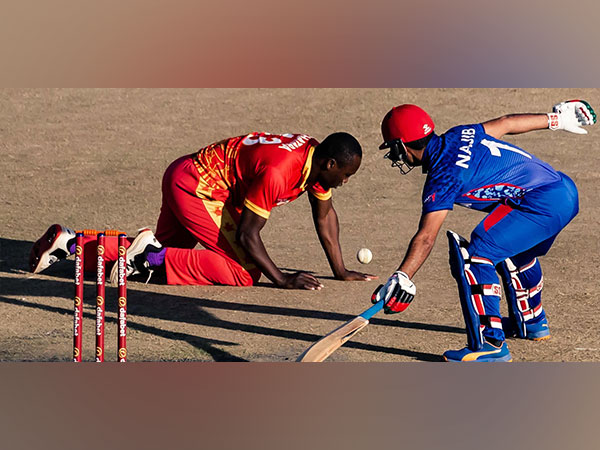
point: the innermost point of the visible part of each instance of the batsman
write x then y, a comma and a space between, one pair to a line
527, 203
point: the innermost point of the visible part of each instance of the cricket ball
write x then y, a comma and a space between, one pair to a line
364, 256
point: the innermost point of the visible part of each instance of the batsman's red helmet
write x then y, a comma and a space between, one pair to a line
405, 122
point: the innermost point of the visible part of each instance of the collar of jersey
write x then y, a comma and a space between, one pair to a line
307, 167
434, 146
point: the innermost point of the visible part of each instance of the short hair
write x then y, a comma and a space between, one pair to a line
419, 144
342, 147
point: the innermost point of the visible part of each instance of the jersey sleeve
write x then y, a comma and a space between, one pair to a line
317, 191
264, 191
441, 191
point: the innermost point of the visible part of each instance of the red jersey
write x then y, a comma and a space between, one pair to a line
258, 171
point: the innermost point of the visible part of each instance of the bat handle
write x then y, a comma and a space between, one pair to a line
373, 310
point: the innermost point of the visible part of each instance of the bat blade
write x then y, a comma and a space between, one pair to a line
329, 343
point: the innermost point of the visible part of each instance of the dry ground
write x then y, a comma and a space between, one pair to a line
94, 158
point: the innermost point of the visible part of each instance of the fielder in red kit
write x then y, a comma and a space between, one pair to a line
221, 197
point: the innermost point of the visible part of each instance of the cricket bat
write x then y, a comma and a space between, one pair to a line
329, 343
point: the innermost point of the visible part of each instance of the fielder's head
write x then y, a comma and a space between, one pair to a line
405, 128
338, 158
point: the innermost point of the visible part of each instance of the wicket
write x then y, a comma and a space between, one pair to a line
100, 293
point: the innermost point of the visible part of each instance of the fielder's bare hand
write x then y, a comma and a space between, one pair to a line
351, 275
301, 280
397, 293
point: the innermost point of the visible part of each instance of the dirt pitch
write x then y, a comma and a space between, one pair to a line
94, 158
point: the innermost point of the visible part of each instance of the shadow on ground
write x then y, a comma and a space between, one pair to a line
57, 282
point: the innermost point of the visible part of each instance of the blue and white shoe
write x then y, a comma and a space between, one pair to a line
489, 353
538, 331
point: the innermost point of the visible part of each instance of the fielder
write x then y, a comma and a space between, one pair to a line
527, 204
221, 197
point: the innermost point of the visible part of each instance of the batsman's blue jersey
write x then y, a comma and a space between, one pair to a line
528, 203
465, 166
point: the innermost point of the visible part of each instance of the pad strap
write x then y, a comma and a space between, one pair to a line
532, 313
523, 295
478, 260
526, 266
486, 289
491, 321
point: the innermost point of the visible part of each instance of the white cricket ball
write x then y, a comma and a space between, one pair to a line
364, 256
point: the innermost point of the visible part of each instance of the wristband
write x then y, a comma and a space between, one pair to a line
553, 121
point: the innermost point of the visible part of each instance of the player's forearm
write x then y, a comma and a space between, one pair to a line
254, 246
328, 231
516, 124
418, 251
523, 123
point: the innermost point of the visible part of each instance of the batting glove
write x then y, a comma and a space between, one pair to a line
397, 293
571, 116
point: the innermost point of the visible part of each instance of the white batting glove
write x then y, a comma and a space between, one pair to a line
397, 293
571, 116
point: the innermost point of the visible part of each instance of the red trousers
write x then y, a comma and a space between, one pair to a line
194, 212
190, 215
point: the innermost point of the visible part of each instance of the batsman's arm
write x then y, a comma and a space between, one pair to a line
515, 124
399, 291
248, 235
422, 242
571, 116
328, 229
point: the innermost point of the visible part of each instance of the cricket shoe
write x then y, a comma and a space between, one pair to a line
51, 247
489, 353
538, 331
136, 257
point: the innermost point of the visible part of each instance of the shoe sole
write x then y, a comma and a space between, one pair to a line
480, 360
42, 248
541, 338
133, 248
530, 337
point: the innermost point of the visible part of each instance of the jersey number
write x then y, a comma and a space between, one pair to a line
494, 148
264, 139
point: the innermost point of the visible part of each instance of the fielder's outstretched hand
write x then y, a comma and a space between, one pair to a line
351, 275
301, 280
571, 116
397, 293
